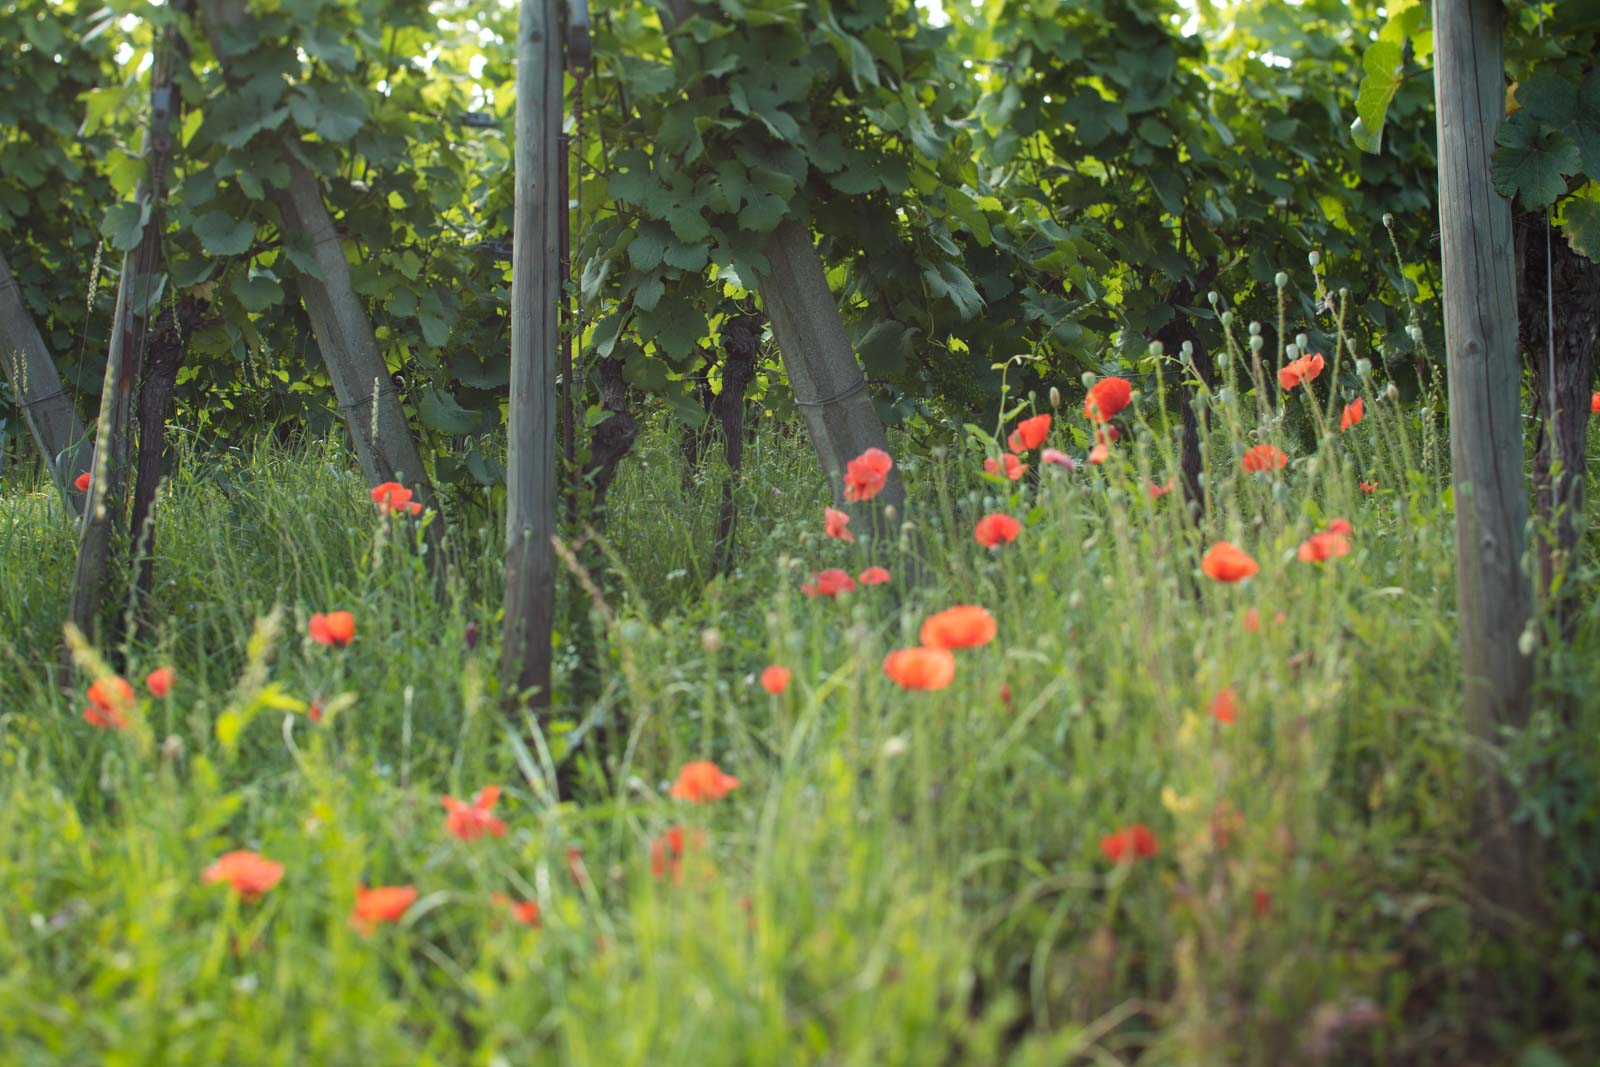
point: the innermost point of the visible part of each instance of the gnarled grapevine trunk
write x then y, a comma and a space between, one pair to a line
46, 408
741, 344
137, 288
1565, 349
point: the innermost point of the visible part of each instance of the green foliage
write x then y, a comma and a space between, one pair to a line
899, 878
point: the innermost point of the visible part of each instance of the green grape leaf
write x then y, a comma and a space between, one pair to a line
949, 280
885, 349
1581, 224
648, 246
441, 411
1532, 160
257, 290
763, 212
1548, 98
222, 235
124, 224
1380, 80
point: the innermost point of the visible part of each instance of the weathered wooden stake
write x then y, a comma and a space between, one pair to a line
48, 411
1491, 504
536, 287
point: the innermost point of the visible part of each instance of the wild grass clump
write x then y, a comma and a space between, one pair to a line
1157, 817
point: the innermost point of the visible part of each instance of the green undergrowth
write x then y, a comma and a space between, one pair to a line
900, 877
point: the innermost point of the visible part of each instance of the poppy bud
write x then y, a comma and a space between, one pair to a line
711, 640
1363, 366
1256, 343
1255, 329
1388, 220
1314, 258
1055, 397
1301, 340
1213, 296
1221, 360
1392, 392
1291, 352
1157, 348
1227, 318
1187, 350
894, 747
889, 513
1280, 279
1087, 379
471, 635
1415, 333
172, 749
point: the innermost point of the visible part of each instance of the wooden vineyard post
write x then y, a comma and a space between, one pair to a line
1480, 317
536, 293
137, 290
35, 383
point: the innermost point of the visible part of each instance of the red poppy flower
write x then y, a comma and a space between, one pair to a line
1228, 563
468, 822
836, 524
963, 626
1015, 468
775, 679
381, 904
335, 629
829, 583
81, 482
1226, 820
1354, 412
1264, 458
667, 852
1324, 546
1098, 454
575, 865
701, 781
1159, 491
110, 700
1128, 844
1030, 434
314, 710
873, 576
1056, 458
1369, 487
867, 474
1300, 371
1341, 526
1107, 435
159, 681
920, 668
1261, 903
1594, 403
1107, 397
247, 873
1252, 621
1005, 694
996, 529
525, 912
393, 498
1225, 707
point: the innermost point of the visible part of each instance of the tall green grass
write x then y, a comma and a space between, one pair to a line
900, 878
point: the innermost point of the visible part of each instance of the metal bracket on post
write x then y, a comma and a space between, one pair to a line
577, 36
